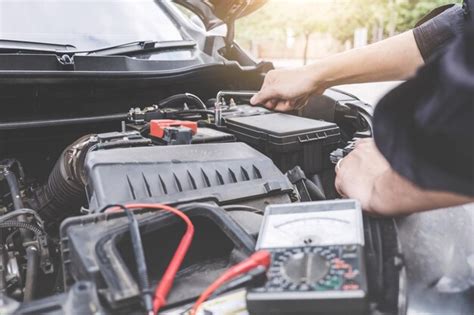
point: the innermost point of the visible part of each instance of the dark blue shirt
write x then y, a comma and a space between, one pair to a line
438, 31
425, 127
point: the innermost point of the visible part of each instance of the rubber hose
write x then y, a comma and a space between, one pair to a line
63, 196
32, 268
64, 193
15, 193
14, 188
32, 257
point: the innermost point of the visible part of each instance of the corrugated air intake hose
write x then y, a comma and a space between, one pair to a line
64, 194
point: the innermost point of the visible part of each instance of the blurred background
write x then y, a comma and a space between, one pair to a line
294, 32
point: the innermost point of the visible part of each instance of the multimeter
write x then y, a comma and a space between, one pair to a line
317, 260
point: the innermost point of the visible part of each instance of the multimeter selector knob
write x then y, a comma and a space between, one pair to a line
305, 268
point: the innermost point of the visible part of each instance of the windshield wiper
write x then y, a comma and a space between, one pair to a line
7, 45
10, 45
140, 46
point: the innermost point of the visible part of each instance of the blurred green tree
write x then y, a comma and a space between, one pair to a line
309, 25
340, 18
263, 24
411, 11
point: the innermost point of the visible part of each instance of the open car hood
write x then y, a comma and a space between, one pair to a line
217, 12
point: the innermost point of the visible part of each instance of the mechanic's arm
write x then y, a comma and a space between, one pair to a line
365, 175
395, 58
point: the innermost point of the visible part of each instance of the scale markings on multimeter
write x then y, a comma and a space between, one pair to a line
317, 259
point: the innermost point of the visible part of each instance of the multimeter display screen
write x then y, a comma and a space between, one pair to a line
312, 225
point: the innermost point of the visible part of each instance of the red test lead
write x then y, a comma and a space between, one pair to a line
166, 282
260, 258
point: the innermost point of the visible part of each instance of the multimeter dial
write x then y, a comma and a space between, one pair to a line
317, 264
304, 268
314, 269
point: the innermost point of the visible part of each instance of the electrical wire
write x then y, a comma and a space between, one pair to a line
18, 212
180, 99
37, 229
163, 288
260, 258
251, 278
184, 114
197, 100
21, 225
192, 111
137, 245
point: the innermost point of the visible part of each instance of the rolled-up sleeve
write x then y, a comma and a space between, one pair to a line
435, 33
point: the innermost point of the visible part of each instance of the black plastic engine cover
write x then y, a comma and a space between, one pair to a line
222, 172
97, 248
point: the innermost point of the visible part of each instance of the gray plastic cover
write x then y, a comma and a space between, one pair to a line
220, 172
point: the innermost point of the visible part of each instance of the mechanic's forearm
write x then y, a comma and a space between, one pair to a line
395, 58
394, 195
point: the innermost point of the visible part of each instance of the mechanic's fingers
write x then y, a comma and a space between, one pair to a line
255, 100
338, 186
271, 104
264, 96
302, 102
338, 165
338, 180
284, 106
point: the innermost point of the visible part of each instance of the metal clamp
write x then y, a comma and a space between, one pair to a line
220, 102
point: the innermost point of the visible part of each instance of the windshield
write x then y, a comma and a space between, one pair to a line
86, 24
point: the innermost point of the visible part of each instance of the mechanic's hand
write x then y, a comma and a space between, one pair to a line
356, 174
288, 89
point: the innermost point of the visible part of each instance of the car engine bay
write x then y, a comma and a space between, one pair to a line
219, 160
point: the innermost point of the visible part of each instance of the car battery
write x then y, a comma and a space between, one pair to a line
289, 140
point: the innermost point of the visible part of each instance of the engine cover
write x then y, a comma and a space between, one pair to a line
224, 173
